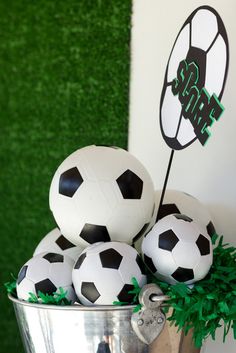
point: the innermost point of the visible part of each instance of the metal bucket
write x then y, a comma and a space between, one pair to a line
77, 329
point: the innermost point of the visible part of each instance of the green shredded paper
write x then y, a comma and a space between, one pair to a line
134, 293
11, 286
57, 298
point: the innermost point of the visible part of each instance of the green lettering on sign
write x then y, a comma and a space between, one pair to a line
198, 105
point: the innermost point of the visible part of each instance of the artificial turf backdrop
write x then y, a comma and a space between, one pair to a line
64, 79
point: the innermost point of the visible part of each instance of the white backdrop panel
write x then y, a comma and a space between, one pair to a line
205, 172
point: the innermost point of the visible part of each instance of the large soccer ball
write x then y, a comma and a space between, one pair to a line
103, 273
180, 202
177, 249
100, 194
46, 272
55, 242
203, 40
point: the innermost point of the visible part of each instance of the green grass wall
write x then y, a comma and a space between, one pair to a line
64, 80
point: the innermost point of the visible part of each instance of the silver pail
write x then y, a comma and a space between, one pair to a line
77, 329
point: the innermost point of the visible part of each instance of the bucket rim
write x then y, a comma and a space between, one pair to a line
73, 307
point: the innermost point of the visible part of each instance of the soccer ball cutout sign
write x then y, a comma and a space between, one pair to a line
203, 40
55, 242
97, 191
178, 250
46, 272
103, 273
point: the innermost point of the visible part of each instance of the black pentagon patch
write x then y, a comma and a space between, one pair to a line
110, 258
148, 261
141, 265
124, 296
89, 291
80, 261
141, 232
130, 185
167, 240
22, 274
183, 274
167, 209
203, 245
93, 233
198, 56
69, 182
52, 257
210, 229
183, 217
45, 286
64, 243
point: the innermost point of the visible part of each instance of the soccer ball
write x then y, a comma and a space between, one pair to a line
179, 202
55, 242
46, 272
202, 39
183, 203
177, 249
103, 273
97, 191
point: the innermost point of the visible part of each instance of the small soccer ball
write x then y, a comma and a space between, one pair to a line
101, 194
177, 249
103, 273
55, 242
46, 272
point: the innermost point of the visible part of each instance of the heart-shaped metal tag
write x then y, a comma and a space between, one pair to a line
149, 321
